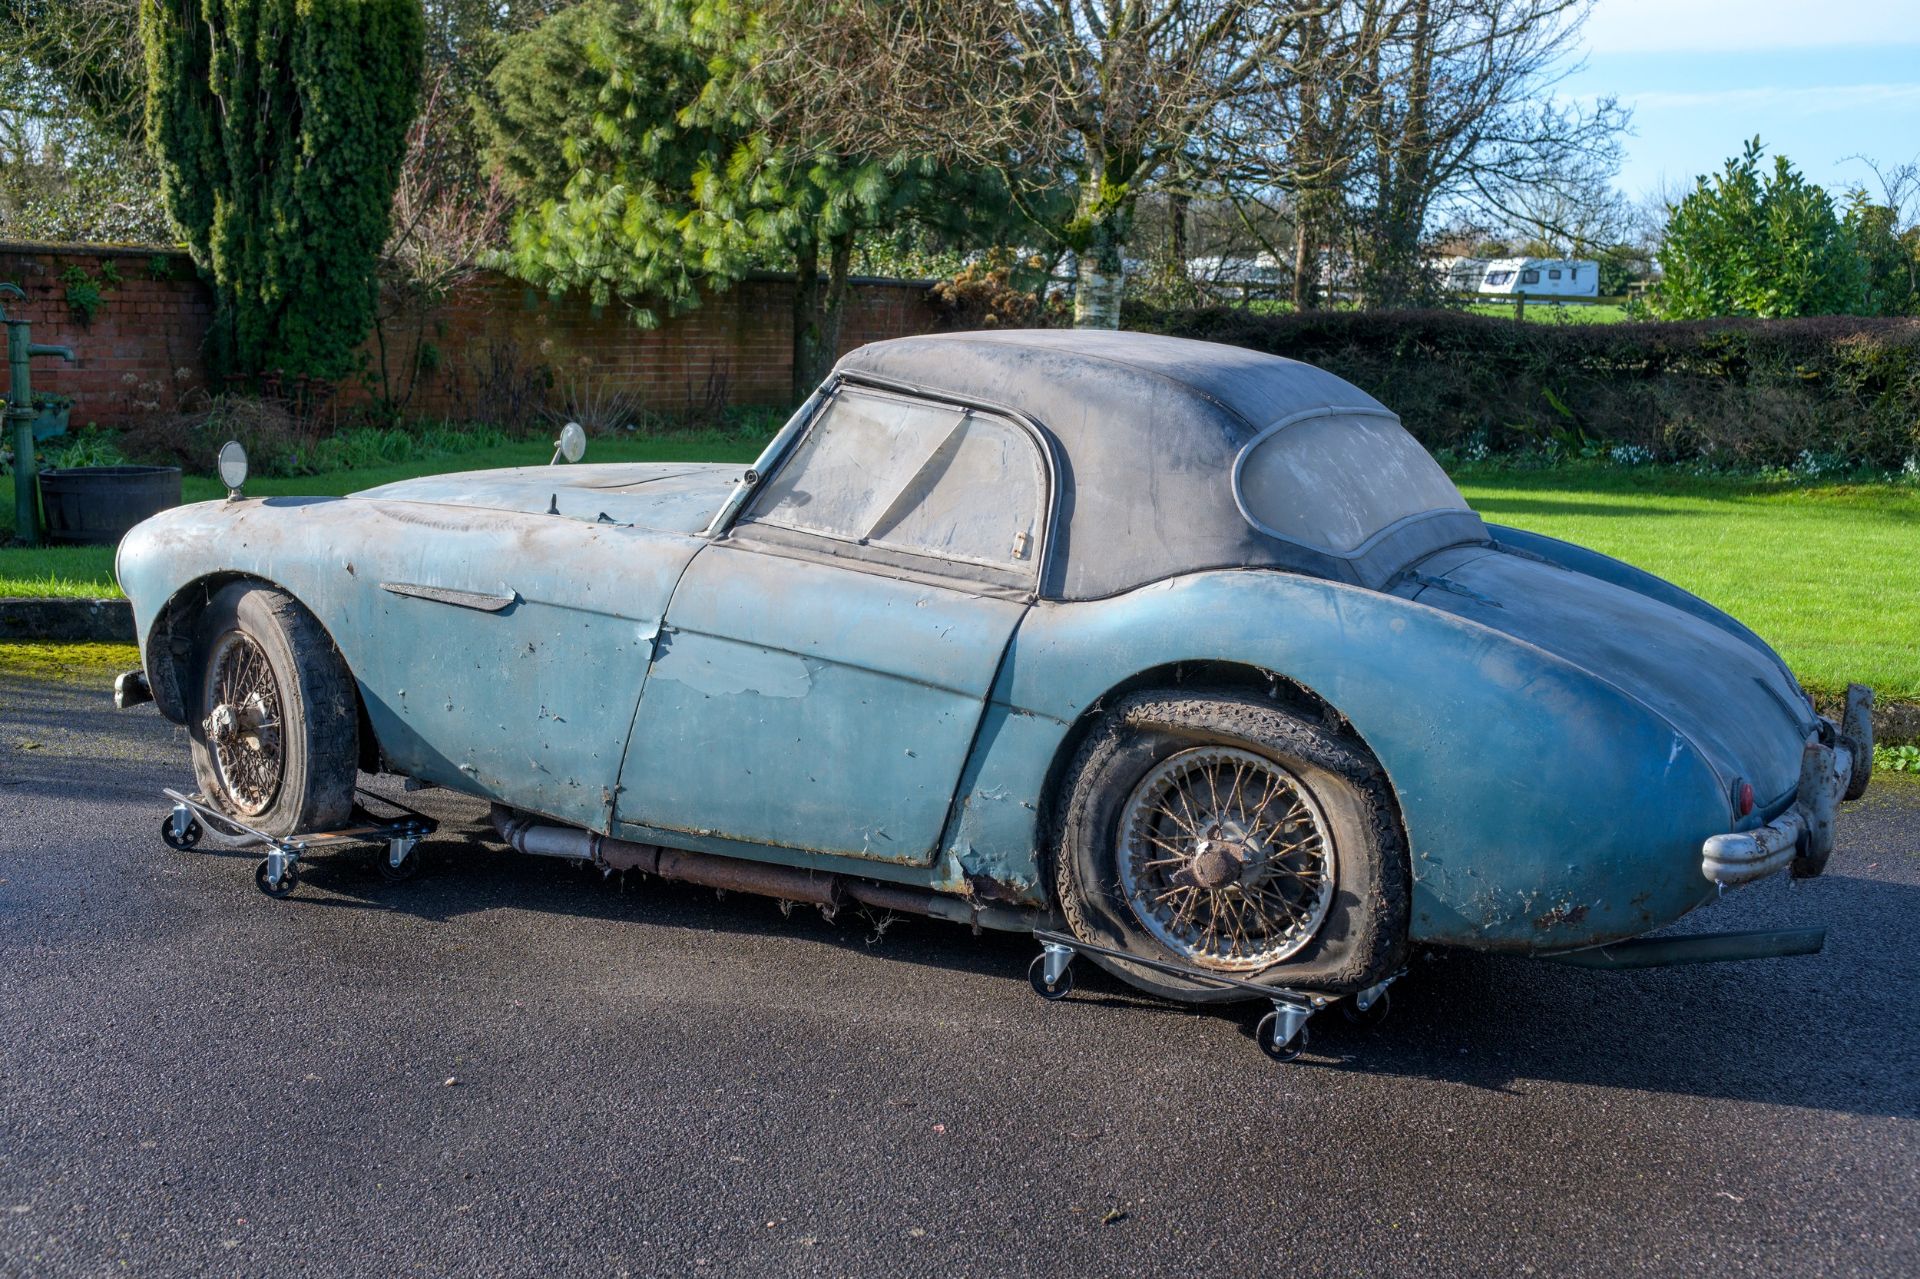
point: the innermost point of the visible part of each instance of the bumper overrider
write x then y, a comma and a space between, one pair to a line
1836, 763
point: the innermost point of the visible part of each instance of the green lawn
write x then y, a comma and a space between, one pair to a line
1555, 313
1829, 574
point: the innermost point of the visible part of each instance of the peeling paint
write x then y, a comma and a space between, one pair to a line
732, 669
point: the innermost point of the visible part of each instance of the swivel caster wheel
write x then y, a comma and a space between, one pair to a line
185, 837
1268, 1032
1059, 988
1370, 1016
289, 879
407, 868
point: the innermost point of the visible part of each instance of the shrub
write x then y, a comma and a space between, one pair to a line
279, 129
1746, 244
191, 438
1743, 392
281, 443
987, 295
88, 446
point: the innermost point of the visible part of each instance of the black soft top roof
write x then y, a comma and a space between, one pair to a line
1147, 429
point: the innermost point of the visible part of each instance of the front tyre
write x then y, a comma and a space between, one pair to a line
272, 717
1227, 834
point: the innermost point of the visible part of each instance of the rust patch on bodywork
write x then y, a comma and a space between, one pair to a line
986, 888
1560, 916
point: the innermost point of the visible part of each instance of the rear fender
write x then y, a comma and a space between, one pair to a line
1545, 810
1580, 559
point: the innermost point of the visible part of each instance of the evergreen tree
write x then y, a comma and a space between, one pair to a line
632, 134
279, 126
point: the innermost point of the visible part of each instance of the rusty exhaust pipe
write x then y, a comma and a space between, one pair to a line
824, 889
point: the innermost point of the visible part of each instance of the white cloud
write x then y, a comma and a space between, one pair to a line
1649, 26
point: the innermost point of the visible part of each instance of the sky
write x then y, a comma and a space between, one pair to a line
1817, 80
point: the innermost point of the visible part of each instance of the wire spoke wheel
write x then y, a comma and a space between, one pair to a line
244, 727
1225, 859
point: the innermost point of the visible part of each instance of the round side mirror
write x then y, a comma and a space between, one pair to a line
572, 443
233, 466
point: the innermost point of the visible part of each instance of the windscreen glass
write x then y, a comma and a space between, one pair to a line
925, 479
862, 451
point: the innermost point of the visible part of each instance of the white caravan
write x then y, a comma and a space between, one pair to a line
1535, 277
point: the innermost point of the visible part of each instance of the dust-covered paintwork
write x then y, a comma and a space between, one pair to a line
606, 646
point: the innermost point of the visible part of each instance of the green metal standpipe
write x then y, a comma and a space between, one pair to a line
21, 348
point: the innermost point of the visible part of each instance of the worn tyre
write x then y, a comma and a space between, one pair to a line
1232, 834
271, 713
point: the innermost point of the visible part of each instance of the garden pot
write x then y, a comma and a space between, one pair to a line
96, 505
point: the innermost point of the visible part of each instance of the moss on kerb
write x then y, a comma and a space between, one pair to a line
67, 663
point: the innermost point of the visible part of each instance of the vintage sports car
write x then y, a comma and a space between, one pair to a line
1188, 653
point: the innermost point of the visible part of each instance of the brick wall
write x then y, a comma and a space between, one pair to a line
144, 344
493, 343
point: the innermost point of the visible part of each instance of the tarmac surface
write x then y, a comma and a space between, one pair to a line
510, 1066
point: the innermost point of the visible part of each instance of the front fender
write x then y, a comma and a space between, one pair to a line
524, 693
1545, 810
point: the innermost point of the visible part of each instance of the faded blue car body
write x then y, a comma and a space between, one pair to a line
591, 644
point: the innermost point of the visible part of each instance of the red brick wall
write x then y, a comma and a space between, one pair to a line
144, 346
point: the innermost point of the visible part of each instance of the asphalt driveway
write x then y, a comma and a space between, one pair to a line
513, 1067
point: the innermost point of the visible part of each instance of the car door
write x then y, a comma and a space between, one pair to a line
502, 653
826, 661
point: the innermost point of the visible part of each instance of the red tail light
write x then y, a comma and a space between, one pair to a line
1742, 797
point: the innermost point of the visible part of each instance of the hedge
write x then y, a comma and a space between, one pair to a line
1742, 392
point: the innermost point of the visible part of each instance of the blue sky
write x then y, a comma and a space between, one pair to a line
1818, 81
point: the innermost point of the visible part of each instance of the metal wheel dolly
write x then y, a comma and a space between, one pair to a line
278, 873
1282, 1033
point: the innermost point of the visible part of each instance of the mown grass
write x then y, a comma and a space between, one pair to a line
67, 663
1555, 312
1829, 574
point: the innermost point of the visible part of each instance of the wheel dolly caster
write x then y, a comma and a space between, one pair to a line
1051, 972
400, 864
1282, 1033
180, 829
278, 873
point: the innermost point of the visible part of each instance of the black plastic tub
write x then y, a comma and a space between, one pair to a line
96, 505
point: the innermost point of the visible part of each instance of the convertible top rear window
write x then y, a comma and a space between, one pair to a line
1333, 479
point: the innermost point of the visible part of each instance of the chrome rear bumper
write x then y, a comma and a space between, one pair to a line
1835, 763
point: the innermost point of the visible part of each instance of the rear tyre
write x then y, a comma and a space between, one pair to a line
1228, 834
271, 714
